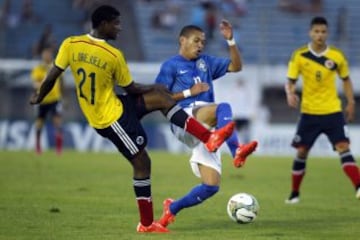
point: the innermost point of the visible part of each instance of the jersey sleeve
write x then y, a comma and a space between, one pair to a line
62, 58
165, 76
218, 66
343, 68
293, 67
122, 73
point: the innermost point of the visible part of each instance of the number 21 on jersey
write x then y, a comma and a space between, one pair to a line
85, 78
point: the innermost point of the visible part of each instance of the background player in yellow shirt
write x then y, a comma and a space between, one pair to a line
321, 111
97, 68
51, 104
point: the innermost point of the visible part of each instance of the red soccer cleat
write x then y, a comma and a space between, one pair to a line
219, 136
242, 152
167, 217
155, 227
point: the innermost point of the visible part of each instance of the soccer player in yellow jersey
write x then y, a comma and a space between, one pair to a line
319, 64
97, 68
51, 104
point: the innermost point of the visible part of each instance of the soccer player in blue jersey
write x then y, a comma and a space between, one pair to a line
189, 77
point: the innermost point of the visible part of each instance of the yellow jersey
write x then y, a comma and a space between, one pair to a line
319, 72
38, 74
96, 67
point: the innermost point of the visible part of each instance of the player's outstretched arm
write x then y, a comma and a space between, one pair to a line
46, 85
226, 30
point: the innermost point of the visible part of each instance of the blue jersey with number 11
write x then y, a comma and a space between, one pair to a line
179, 74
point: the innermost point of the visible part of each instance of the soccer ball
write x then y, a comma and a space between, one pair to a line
243, 208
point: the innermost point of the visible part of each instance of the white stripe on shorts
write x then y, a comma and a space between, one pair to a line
125, 138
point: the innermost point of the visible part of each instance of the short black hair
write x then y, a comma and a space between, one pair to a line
185, 31
103, 13
318, 20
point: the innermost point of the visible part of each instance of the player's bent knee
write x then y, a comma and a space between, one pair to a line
342, 147
302, 152
224, 107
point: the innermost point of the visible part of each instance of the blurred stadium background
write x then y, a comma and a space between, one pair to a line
266, 31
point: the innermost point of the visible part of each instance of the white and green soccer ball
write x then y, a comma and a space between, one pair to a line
243, 208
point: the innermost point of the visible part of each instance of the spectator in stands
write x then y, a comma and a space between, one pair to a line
46, 40
164, 19
51, 104
204, 15
7, 17
4, 12
341, 35
168, 17
300, 6
27, 12
210, 19
236, 8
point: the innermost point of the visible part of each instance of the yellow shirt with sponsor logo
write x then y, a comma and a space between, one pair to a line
38, 74
319, 74
96, 67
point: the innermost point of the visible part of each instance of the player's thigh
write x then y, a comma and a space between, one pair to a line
185, 137
206, 114
42, 111
307, 131
127, 134
337, 131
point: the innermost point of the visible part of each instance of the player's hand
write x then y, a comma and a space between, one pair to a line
34, 99
226, 29
199, 88
292, 100
350, 112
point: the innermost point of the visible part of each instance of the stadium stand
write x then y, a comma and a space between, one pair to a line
267, 33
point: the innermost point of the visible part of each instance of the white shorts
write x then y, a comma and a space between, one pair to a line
200, 155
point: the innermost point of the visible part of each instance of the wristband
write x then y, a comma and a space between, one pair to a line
231, 42
187, 93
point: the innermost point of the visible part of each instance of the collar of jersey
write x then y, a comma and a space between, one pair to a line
317, 54
94, 38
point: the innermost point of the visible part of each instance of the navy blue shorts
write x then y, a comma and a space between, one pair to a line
53, 109
311, 126
127, 133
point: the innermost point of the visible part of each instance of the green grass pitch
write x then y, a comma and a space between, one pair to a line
90, 196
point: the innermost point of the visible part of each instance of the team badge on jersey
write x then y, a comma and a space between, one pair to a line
201, 65
329, 64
